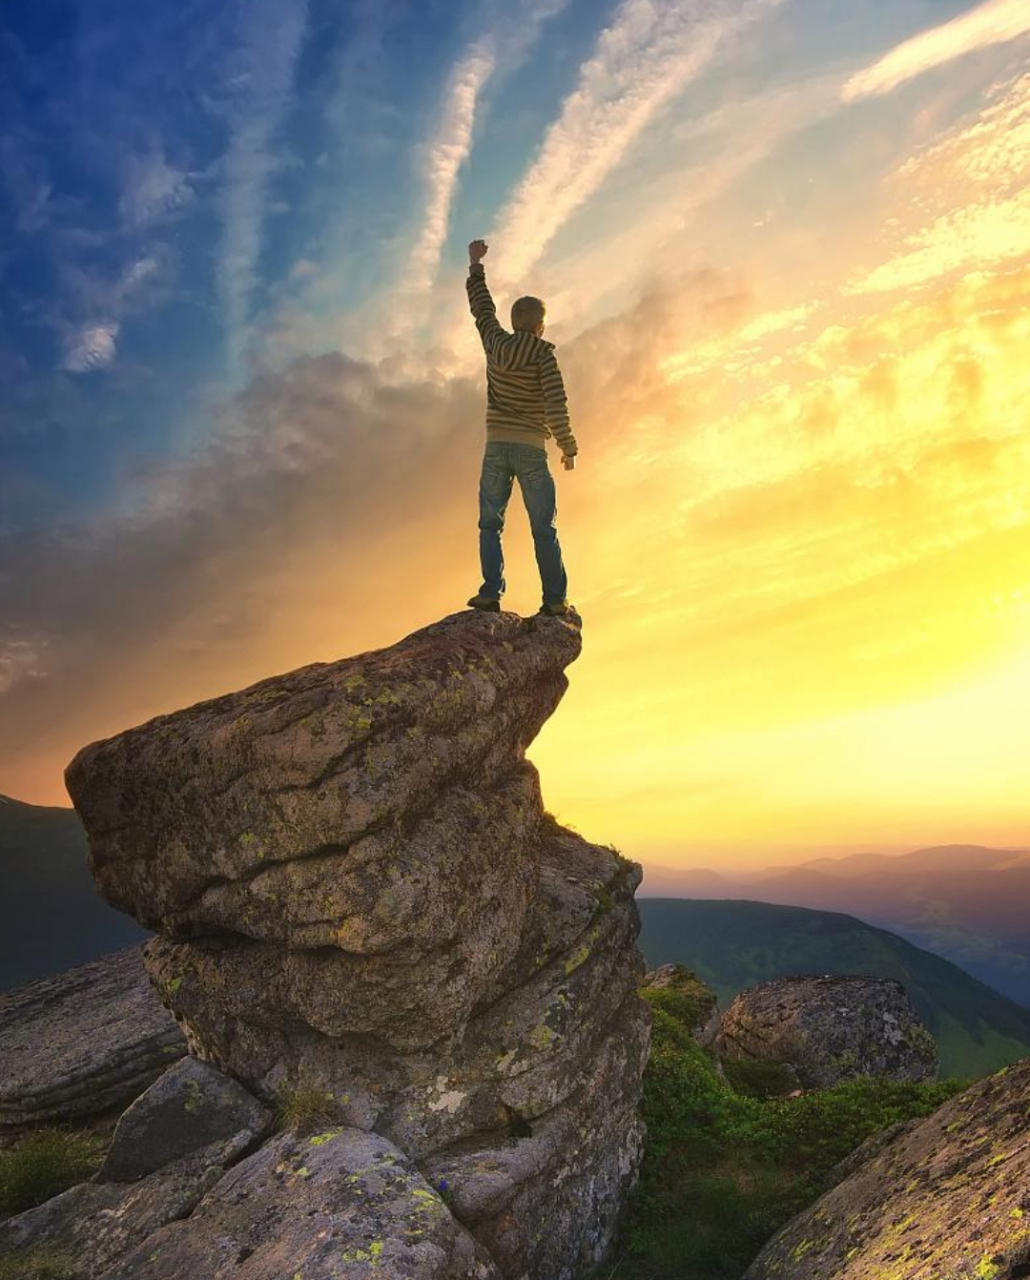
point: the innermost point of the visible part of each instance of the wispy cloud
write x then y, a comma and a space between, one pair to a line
100, 304
25, 175
979, 235
737, 351
640, 62
512, 34
261, 91
446, 153
993, 22
976, 181
20, 658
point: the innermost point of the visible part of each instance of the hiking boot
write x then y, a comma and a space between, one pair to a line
489, 604
555, 610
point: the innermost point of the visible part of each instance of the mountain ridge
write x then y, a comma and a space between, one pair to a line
965, 903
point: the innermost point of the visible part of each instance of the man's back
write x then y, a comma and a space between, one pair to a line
525, 394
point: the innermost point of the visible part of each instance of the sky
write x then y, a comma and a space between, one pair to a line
785, 250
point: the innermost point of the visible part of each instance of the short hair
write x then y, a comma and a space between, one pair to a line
527, 313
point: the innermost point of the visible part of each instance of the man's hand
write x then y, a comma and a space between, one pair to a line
568, 461
477, 250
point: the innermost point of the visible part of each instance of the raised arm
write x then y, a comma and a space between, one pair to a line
481, 304
503, 346
555, 406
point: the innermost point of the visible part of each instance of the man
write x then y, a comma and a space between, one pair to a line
525, 403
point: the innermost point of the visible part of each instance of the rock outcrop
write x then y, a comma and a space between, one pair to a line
829, 1028
83, 1041
357, 892
341, 1203
206, 1198
945, 1198
170, 1148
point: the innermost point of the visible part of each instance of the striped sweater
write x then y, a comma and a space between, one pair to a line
525, 395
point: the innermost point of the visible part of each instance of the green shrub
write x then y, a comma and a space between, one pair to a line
678, 1004
723, 1169
45, 1162
758, 1079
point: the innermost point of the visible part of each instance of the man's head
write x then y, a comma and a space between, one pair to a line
528, 314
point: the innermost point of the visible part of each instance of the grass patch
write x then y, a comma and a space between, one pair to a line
303, 1107
724, 1169
553, 826
37, 1264
44, 1163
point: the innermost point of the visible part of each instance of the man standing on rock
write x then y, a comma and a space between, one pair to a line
525, 403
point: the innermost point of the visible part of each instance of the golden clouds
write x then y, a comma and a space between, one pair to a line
844, 552
970, 194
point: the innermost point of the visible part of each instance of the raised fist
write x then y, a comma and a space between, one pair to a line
477, 248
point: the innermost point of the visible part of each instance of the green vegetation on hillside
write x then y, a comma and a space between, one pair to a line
734, 944
724, 1170
45, 1162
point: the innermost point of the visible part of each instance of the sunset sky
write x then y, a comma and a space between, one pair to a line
785, 247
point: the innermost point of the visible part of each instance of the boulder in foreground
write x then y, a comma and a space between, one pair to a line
948, 1196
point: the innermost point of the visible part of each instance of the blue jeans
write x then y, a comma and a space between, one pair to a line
502, 463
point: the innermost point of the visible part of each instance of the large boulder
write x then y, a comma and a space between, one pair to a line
567, 995
945, 1198
357, 893
83, 1041
829, 1028
192, 1105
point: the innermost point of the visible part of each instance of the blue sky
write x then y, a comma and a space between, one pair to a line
243, 397
166, 169
176, 175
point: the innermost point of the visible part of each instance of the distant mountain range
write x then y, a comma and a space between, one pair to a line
51, 916
967, 903
735, 944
